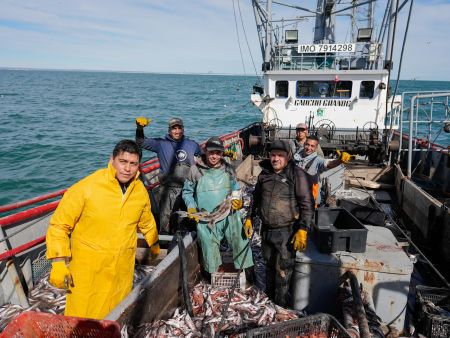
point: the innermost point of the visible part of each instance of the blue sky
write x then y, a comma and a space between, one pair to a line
196, 36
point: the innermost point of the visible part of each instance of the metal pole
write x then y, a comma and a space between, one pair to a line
401, 128
268, 50
390, 38
410, 139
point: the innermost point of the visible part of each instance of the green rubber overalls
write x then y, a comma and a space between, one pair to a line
212, 189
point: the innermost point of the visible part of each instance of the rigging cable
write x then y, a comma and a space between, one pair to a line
239, 41
246, 39
401, 56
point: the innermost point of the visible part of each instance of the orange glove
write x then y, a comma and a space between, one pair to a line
248, 227
191, 216
345, 157
142, 121
299, 240
155, 250
60, 276
237, 204
230, 153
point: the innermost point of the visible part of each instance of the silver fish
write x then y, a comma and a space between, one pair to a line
219, 213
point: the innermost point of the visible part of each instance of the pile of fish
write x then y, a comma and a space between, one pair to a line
46, 298
42, 298
248, 309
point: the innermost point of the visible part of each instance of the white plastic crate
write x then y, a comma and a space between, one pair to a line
227, 280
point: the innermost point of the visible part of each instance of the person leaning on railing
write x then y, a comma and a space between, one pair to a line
314, 164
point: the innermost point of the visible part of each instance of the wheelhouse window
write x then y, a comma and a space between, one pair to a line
324, 89
367, 89
281, 89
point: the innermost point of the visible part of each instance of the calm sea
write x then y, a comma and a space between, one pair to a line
59, 126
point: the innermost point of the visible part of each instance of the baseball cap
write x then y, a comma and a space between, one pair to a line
175, 121
301, 125
214, 143
280, 145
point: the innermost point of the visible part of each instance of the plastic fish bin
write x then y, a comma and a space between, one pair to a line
339, 230
431, 322
42, 325
318, 326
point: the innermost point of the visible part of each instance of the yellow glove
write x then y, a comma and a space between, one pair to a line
230, 153
248, 227
237, 204
142, 121
344, 157
299, 240
60, 276
154, 250
192, 211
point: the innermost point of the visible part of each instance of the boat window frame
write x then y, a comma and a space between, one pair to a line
366, 97
345, 90
277, 93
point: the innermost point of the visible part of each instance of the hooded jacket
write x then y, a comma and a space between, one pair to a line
102, 223
282, 199
169, 151
211, 196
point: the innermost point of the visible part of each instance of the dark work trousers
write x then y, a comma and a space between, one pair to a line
280, 259
169, 201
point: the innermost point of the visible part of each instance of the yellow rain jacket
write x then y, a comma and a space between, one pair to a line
102, 224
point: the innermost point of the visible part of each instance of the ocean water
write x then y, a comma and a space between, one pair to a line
59, 126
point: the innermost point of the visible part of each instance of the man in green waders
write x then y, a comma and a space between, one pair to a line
209, 183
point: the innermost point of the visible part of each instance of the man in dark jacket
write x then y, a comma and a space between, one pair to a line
176, 153
282, 199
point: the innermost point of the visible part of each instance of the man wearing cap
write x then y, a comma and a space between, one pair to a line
176, 153
209, 183
313, 164
282, 199
300, 137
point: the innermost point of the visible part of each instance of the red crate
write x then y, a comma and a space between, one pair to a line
32, 324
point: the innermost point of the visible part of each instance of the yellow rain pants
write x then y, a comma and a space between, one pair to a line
102, 224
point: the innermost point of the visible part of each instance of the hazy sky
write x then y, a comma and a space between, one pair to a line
179, 36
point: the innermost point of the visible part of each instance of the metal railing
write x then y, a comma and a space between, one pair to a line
288, 58
426, 113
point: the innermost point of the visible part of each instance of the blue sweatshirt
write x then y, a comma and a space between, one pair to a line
171, 152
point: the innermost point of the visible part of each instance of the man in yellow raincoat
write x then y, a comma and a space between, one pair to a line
94, 230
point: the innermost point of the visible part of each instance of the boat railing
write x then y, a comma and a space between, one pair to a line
287, 57
423, 116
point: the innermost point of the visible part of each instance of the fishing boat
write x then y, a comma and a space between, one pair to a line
388, 209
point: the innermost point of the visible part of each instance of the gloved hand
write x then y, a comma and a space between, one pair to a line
344, 157
142, 121
248, 227
192, 211
230, 153
155, 250
60, 276
299, 240
237, 204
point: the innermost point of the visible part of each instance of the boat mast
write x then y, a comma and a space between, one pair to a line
268, 49
390, 38
325, 22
